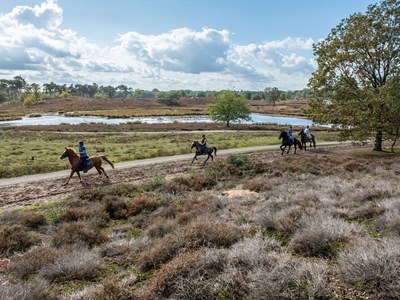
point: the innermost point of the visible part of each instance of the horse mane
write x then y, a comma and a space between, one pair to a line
72, 150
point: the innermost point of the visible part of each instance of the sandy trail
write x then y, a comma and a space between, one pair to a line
41, 188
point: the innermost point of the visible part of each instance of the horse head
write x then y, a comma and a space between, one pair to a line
68, 152
64, 154
194, 144
283, 135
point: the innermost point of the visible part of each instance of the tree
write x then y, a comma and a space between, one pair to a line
272, 94
229, 107
358, 74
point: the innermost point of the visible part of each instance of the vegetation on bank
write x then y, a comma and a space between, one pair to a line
242, 228
32, 152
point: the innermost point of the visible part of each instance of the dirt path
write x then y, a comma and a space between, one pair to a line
40, 188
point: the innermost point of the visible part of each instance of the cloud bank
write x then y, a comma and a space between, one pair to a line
34, 46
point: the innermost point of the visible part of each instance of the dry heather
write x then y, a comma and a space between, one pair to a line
240, 228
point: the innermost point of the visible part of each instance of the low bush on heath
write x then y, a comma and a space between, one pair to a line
15, 238
202, 233
28, 263
32, 219
322, 235
116, 208
35, 290
78, 232
142, 203
76, 263
373, 266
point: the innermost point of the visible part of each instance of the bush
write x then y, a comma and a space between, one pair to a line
373, 266
142, 203
322, 236
32, 219
76, 263
161, 227
76, 233
283, 277
35, 290
15, 238
202, 233
116, 208
24, 265
238, 160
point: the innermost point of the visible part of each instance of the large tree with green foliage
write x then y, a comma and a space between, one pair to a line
229, 107
358, 75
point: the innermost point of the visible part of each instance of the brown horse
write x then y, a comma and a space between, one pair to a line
95, 161
199, 151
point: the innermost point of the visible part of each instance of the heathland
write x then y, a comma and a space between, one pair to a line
322, 224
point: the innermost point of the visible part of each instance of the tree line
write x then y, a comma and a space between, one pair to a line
18, 89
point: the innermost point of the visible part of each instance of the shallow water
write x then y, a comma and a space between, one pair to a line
57, 120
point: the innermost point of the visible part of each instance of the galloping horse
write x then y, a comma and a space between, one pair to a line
286, 142
305, 139
200, 152
95, 161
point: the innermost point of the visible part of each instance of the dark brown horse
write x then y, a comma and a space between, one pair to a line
287, 142
95, 161
199, 151
305, 139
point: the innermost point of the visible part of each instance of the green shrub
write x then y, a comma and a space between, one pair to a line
241, 161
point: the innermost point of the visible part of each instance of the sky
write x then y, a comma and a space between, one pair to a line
168, 44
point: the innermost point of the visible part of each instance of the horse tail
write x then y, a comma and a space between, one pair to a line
107, 160
215, 150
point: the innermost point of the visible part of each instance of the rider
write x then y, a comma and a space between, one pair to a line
290, 134
203, 143
307, 132
83, 156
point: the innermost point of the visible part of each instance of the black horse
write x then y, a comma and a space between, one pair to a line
305, 139
287, 142
199, 151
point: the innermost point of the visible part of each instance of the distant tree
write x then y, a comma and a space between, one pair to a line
35, 96
229, 107
358, 74
272, 94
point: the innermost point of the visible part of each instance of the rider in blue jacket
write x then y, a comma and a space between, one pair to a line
83, 156
290, 134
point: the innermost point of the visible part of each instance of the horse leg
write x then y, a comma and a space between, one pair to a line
288, 149
104, 172
195, 157
99, 170
295, 148
79, 175
209, 155
72, 173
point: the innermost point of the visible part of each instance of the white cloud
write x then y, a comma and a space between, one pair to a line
33, 45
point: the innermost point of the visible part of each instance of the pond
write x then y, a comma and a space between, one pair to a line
58, 119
